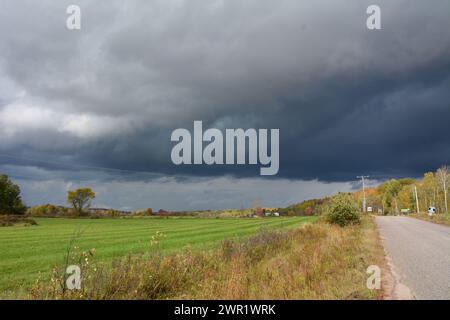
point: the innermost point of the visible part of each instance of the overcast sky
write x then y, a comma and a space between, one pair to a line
96, 107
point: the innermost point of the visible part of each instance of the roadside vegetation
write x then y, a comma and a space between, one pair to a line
316, 261
437, 218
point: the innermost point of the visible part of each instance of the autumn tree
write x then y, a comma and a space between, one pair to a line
80, 199
389, 191
373, 198
405, 197
442, 176
429, 189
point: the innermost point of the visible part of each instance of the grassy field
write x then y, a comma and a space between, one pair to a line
27, 250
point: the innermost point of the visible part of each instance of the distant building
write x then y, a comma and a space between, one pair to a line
259, 212
162, 212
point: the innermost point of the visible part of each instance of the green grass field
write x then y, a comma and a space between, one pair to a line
26, 251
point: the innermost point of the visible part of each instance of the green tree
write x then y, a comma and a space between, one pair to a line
10, 200
80, 199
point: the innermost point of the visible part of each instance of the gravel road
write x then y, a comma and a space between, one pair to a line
420, 254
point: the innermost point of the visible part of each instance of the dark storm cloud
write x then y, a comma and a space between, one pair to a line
347, 100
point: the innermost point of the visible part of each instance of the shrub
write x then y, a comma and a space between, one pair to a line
142, 212
46, 210
112, 213
11, 220
343, 210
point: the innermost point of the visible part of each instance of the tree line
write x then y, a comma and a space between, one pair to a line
393, 195
390, 197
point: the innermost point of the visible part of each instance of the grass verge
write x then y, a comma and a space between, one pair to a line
437, 218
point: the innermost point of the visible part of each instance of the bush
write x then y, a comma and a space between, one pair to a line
343, 210
142, 212
112, 213
46, 210
11, 220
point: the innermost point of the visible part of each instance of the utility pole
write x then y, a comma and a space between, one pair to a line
417, 198
364, 191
